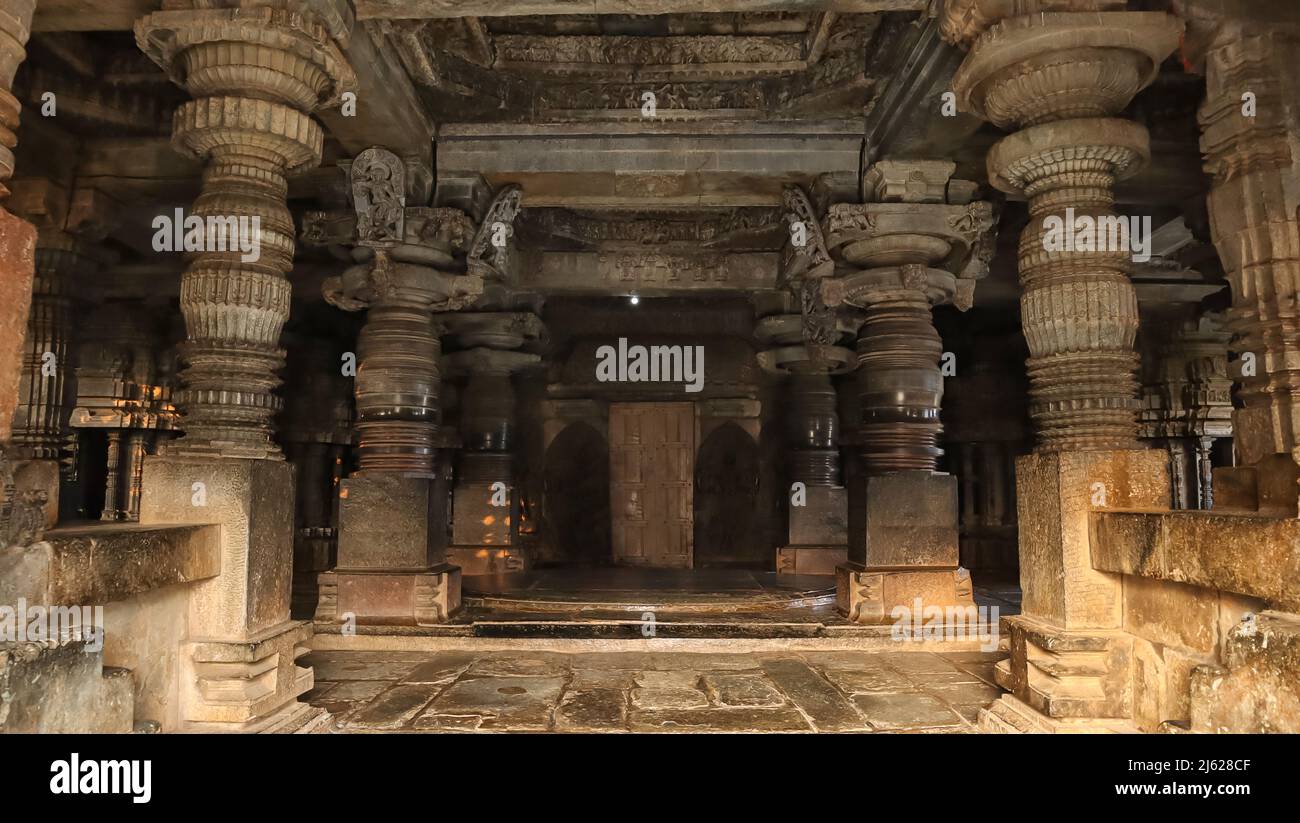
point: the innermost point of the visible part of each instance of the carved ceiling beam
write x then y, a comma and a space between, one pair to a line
433, 9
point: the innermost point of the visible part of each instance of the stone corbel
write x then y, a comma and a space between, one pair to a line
489, 253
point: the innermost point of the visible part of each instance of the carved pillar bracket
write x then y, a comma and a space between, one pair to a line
1061, 78
256, 75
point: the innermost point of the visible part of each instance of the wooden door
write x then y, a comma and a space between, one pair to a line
651, 482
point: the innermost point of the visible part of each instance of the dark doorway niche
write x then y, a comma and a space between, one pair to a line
576, 498
727, 520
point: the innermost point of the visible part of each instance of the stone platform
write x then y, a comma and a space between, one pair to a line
515, 691
610, 605
696, 591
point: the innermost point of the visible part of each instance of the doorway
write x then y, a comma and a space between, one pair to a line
651, 484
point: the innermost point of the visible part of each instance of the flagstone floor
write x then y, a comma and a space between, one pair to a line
527, 691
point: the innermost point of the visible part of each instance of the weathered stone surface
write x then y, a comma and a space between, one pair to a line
719, 720
393, 708
749, 690
520, 703
647, 691
592, 709
904, 711
825, 707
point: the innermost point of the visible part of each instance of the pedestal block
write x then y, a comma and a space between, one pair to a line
909, 551
477, 520
818, 533
238, 666
391, 566
1070, 664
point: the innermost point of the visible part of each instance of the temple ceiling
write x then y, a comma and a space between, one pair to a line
575, 67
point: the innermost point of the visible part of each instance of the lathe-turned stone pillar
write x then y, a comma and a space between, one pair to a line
817, 534
256, 72
921, 244
413, 261
1057, 80
486, 505
22, 516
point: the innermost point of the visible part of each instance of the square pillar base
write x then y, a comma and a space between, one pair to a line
389, 598
229, 686
810, 559
1068, 674
477, 520
870, 595
237, 665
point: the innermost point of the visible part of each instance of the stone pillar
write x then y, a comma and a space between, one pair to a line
1057, 81
317, 436
22, 515
256, 72
922, 243
413, 261
1249, 120
817, 534
485, 515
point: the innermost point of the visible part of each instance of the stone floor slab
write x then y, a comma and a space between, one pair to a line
583, 710
719, 720
825, 706
508, 703
394, 708
905, 711
742, 690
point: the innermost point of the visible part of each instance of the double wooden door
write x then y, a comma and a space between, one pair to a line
651, 479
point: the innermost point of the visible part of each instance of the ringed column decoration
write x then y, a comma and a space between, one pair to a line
804, 346
1056, 75
412, 262
22, 515
256, 72
494, 347
922, 242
